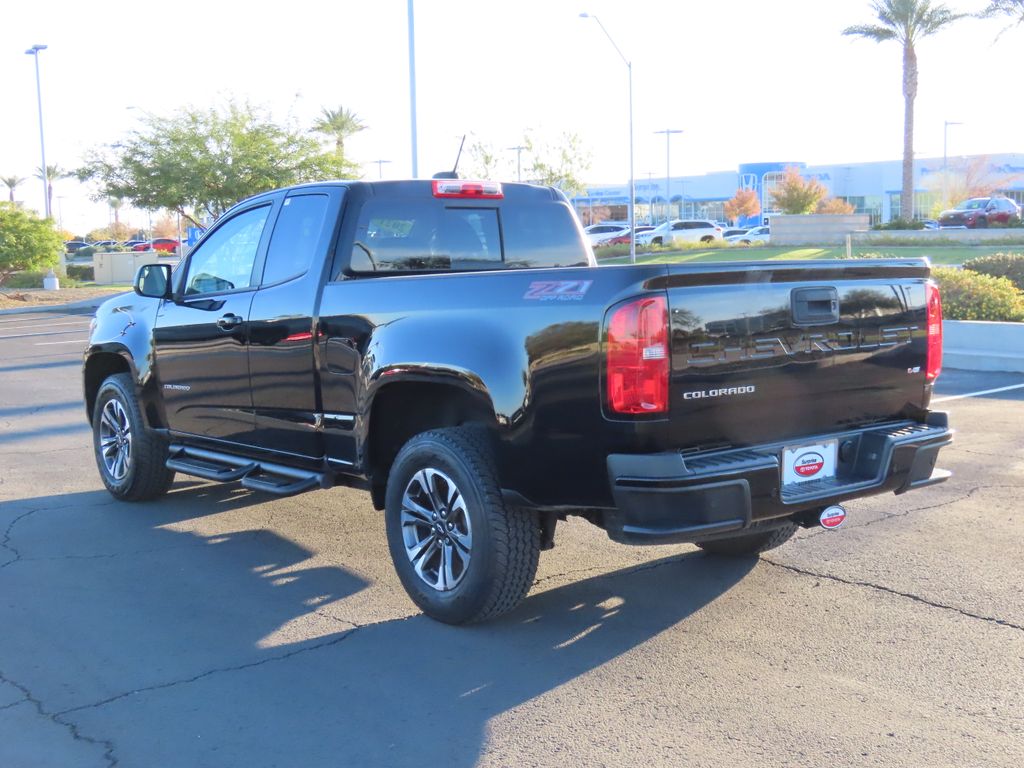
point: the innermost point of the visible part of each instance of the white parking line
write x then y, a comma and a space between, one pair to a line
42, 325
51, 343
47, 333
978, 394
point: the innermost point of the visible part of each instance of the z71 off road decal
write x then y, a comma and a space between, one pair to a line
557, 290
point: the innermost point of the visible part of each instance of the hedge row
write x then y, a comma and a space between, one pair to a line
971, 295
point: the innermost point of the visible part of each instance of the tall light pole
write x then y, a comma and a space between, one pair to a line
34, 53
412, 89
380, 167
945, 140
668, 192
632, 180
519, 157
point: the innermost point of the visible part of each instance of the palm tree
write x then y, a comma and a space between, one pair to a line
1012, 8
906, 22
53, 172
339, 124
11, 182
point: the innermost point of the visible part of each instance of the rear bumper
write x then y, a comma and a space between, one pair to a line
675, 497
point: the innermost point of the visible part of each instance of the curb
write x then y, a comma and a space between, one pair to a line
975, 345
80, 307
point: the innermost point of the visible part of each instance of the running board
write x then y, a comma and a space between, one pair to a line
265, 476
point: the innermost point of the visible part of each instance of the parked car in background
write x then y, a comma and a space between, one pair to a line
70, 246
755, 236
980, 212
101, 244
728, 232
624, 239
681, 231
597, 234
132, 243
166, 244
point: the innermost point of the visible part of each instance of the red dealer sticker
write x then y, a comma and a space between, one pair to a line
832, 517
808, 464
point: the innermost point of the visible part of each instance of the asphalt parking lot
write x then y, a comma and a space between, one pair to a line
222, 628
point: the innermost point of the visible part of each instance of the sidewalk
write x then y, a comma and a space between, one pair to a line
85, 306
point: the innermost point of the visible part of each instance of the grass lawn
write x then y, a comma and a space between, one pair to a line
939, 254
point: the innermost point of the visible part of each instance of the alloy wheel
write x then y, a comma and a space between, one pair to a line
436, 530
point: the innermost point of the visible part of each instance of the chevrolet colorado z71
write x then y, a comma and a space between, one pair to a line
453, 348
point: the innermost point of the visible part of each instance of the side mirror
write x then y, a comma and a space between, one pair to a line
154, 281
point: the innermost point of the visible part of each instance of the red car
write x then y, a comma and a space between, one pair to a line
166, 244
980, 212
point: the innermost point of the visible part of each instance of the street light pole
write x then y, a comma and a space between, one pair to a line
412, 88
380, 167
668, 192
519, 156
632, 180
34, 53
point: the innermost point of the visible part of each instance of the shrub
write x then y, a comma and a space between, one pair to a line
1008, 265
32, 279
81, 272
900, 224
969, 295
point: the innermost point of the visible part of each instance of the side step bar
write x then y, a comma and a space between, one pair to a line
265, 476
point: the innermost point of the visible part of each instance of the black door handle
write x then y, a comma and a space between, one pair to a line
229, 321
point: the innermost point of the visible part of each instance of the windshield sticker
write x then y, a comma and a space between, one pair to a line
557, 290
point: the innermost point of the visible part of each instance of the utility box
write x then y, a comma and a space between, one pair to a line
120, 267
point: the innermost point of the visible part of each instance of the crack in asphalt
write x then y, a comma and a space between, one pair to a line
315, 647
5, 543
55, 718
221, 670
891, 591
894, 515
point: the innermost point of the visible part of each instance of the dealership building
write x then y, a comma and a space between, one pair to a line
871, 188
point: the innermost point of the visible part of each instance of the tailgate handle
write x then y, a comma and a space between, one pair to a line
815, 306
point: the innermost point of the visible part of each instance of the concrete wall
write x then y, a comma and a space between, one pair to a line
816, 229
943, 236
974, 345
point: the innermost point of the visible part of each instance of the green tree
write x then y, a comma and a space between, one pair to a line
53, 173
561, 164
11, 182
795, 194
26, 241
743, 204
198, 163
338, 124
485, 163
906, 22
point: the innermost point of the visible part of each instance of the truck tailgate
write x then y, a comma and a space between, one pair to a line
772, 351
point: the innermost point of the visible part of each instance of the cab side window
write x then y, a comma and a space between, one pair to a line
296, 236
225, 259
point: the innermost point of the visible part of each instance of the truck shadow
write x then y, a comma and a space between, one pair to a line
168, 630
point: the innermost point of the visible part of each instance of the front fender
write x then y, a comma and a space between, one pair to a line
123, 329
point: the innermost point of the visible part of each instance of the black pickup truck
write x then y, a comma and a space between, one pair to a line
452, 348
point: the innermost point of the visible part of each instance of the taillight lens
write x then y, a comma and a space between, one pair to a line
934, 302
638, 363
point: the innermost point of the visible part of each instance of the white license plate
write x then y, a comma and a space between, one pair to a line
802, 463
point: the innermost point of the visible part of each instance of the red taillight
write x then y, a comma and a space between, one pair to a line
490, 190
934, 302
638, 363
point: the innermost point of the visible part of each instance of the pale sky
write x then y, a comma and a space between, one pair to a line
748, 81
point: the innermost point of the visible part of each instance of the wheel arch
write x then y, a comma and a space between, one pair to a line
105, 360
402, 408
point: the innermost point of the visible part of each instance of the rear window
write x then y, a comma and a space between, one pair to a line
403, 235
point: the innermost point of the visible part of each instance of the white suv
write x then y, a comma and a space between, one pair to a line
681, 231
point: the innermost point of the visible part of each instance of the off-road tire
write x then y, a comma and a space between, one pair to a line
147, 477
505, 546
751, 543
